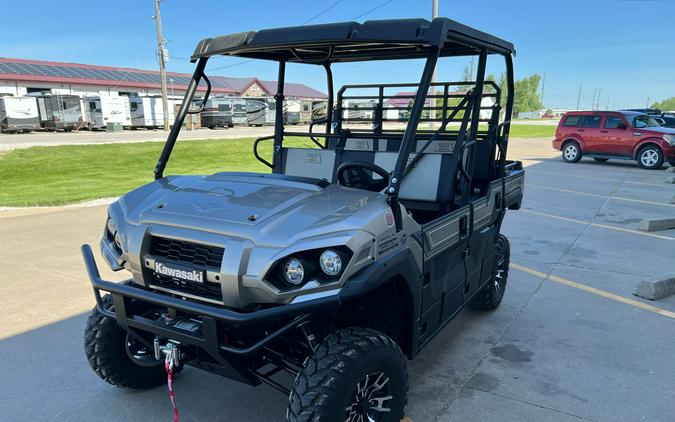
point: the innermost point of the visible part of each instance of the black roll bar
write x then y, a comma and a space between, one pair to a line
408, 141
330, 88
279, 118
473, 131
182, 112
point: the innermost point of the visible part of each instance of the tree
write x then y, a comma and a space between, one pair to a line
666, 105
467, 76
526, 96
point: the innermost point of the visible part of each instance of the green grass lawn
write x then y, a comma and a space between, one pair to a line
73, 173
532, 131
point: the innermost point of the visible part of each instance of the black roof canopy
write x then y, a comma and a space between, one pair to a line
353, 41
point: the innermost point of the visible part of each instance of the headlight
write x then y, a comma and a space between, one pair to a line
669, 138
113, 234
293, 271
111, 227
330, 262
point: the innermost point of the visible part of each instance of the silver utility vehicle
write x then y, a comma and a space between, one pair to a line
321, 277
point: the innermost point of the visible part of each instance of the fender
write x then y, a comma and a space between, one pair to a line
575, 138
649, 140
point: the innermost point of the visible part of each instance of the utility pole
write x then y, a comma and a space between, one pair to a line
432, 112
648, 98
579, 98
595, 91
162, 61
597, 107
543, 84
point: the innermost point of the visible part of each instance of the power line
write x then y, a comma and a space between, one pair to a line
322, 12
372, 10
304, 23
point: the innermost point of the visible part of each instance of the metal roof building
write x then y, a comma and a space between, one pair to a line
21, 76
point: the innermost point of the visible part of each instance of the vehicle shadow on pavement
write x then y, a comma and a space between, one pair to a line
51, 380
48, 366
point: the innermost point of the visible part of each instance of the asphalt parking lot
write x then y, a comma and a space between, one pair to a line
570, 342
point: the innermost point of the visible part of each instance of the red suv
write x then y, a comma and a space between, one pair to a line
623, 135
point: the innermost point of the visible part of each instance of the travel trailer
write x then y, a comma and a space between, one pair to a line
292, 110
18, 114
217, 112
260, 111
148, 112
239, 111
105, 109
60, 111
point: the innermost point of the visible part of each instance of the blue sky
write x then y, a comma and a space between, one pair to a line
624, 48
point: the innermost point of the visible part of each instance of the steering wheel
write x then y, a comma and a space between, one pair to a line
359, 175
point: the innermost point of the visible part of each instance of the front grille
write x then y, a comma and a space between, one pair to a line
186, 252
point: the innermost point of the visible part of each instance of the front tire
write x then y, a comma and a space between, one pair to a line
571, 152
115, 357
356, 374
492, 294
650, 157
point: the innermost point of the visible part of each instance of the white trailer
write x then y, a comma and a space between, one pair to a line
148, 112
104, 109
19, 114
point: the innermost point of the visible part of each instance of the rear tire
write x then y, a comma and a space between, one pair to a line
600, 160
571, 152
650, 157
351, 374
107, 349
492, 294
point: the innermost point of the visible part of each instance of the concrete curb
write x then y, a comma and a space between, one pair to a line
670, 180
672, 200
670, 170
653, 225
655, 289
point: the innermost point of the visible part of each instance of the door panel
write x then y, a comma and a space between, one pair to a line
617, 138
589, 129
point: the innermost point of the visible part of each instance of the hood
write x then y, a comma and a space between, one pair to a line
261, 207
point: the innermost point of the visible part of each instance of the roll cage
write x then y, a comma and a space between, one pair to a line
324, 45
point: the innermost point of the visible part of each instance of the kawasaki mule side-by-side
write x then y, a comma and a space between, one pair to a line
321, 277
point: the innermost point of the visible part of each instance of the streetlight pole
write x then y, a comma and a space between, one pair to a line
162, 60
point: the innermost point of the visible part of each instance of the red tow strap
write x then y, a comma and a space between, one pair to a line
168, 366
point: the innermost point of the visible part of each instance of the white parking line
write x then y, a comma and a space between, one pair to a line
606, 179
595, 291
618, 198
590, 223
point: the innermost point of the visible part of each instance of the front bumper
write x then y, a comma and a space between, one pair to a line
213, 317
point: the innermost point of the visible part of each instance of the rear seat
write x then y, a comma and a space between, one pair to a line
429, 186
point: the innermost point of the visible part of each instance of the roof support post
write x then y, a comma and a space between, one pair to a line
475, 121
180, 117
279, 118
329, 87
408, 142
504, 138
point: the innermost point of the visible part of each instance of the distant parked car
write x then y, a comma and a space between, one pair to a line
650, 111
666, 120
625, 135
